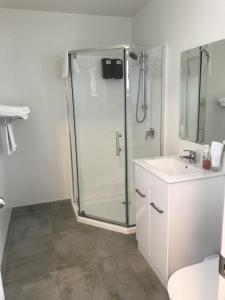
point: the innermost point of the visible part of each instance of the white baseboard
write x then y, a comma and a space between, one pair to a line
101, 224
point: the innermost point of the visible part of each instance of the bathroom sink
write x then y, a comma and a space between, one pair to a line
172, 166
172, 169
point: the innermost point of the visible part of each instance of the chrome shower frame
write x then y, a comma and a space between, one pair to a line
125, 48
75, 52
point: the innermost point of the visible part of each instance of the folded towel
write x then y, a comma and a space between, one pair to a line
10, 139
14, 111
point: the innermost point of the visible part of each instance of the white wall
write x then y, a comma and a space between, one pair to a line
183, 25
30, 48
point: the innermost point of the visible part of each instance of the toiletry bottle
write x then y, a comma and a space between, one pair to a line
206, 158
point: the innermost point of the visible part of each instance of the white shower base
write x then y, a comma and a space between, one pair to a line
109, 207
101, 224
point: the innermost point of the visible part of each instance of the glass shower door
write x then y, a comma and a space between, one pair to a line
99, 114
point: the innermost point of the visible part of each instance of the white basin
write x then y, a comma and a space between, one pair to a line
172, 169
172, 166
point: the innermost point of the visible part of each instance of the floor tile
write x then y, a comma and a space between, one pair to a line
29, 258
108, 243
25, 268
51, 256
73, 248
39, 246
45, 288
61, 204
30, 225
63, 219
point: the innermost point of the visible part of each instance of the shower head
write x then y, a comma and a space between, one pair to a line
139, 58
133, 55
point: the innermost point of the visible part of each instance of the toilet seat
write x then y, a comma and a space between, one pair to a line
197, 282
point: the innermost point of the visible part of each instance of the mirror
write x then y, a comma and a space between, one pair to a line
202, 94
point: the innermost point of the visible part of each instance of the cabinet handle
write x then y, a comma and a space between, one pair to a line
140, 193
156, 208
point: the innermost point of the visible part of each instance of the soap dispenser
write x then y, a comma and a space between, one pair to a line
206, 158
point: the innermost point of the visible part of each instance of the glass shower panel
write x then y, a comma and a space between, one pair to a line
99, 107
143, 139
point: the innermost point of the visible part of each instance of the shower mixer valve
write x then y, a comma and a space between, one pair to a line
150, 133
144, 107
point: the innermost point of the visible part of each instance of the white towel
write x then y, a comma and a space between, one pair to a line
10, 139
65, 65
14, 111
2, 297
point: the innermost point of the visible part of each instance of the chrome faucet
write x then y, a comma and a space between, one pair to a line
189, 155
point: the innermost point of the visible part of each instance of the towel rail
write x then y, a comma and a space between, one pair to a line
10, 117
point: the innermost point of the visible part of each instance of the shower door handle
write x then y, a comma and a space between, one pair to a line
118, 149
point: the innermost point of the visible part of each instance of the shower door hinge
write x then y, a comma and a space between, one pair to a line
222, 266
118, 148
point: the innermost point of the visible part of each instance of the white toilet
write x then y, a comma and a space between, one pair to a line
196, 282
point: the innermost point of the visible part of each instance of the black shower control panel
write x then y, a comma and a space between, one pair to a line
106, 68
112, 68
117, 66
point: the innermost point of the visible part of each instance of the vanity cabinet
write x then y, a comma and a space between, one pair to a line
142, 211
177, 224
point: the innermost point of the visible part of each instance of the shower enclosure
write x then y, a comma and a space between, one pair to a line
104, 133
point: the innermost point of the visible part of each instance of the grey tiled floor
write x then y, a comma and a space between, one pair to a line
50, 256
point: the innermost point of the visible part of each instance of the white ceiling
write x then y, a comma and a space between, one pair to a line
123, 8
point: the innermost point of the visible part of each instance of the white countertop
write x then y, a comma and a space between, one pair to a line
199, 173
